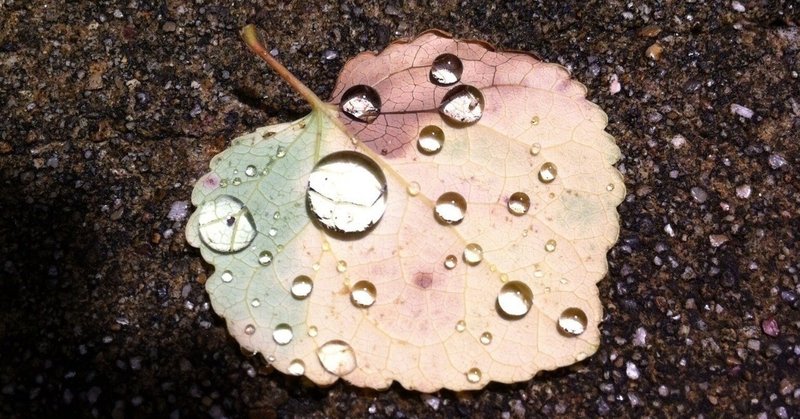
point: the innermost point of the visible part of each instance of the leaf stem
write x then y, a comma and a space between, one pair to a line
250, 37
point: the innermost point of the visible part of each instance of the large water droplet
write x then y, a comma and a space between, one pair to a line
473, 254
226, 277
361, 102
450, 208
446, 70
431, 139
519, 203
363, 294
486, 338
572, 321
226, 225
337, 357
462, 105
548, 172
250, 171
474, 375
515, 299
301, 287
297, 367
450, 261
347, 192
282, 334
550, 245
265, 258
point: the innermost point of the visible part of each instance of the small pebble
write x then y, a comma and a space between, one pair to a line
770, 327
742, 111
739, 7
743, 191
169, 26
178, 211
654, 52
699, 194
717, 240
631, 370
776, 161
613, 84
678, 141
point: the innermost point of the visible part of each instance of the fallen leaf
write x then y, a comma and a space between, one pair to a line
443, 222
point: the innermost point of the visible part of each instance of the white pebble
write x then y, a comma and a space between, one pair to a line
631, 370
739, 7
678, 141
613, 84
742, 111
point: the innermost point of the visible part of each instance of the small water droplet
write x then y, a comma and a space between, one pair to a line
450, 208
413, 189
276, 216
450, 261
519, 203
538, 273
302, 287
550, 245
312, 331
223, 183
548, 172
610, 187
486, 338
473, 254
462, 105
572, 321
249, 329
271, 359
341, 266
265, 258
255, 302
280, 152
515, 299
446, 70
250, 171
474, 375
347, 192
431, 139
363, 294
279, 248
227, 276
326, 246
504, 277
237, 181
535, 120
282, 334
461, 326
272, 232
535, 149
226, 225
337, 357
297, 367
563, 281
315, 266
362, 103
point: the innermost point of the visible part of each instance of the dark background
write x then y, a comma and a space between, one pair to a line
110, 110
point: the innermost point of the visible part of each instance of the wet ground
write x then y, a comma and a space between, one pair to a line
111, 110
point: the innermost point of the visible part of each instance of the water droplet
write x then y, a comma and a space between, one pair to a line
610, 187
572, 321
450, 261
363, 294
280, 152
431, 139
265, 258
347, 192
326, 246
282, 334
226, 225
302, 287
486, 338
535, 120
413, 188
255, 302
473, 254
272, 232
271, 359
237, 181
223, 183
446, 70
563, 281
550, 245
362, 103
474, 375
450, 208
249, 329
548, 172
337, 357
276, 216
538, 273
535, 149
297, 367
504, 277
519, 203
312, 331
515, 299
227, 276
461, 326
462, 105
250, 171
341, 266
315, 266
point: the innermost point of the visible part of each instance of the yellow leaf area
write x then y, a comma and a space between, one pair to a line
495, 287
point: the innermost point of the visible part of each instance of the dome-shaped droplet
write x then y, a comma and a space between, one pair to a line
362, 103
474, 375
535, 149
548, 172
363, 294
280, 152
282, 334
227, 276
347, 192
462, 105
446, 70
461, 326
265, 258
431, 139
515, 299
413, 188
337, 357
450, 208
297, 367
312, 331
572, 321
272, 232
473, 254
301, 287
550, 245
519, 203
450, 261
250, 171
236, 181
486, 338
249, 329
255, 302
341, 266
226, 225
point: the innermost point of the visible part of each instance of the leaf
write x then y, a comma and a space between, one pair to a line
417, 229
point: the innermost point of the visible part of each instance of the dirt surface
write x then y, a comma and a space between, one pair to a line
111, 110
